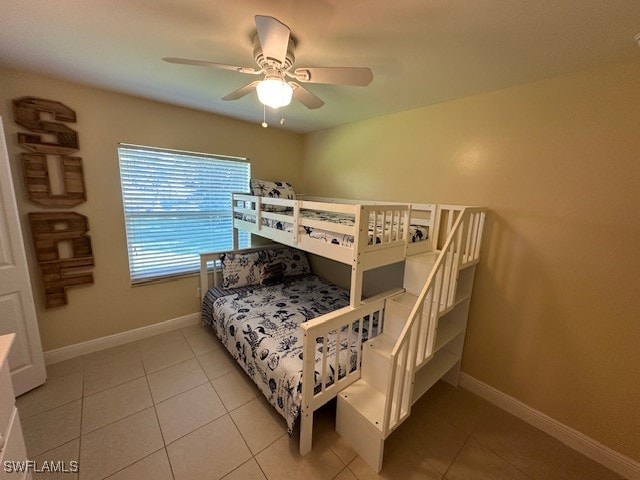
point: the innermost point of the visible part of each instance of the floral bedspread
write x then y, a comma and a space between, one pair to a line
259, 327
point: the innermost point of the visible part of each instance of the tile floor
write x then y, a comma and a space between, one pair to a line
176, 406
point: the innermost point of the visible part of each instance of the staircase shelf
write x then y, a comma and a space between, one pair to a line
421, 341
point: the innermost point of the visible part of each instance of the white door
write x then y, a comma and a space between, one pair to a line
17, 312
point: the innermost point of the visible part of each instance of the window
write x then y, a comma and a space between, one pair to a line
177, 205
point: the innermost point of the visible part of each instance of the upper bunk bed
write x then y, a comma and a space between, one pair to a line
362, 234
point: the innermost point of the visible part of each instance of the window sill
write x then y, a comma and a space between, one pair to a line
164, 279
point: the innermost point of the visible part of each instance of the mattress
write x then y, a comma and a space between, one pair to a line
417, 233
259, 327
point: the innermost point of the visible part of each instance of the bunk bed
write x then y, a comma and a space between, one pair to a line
362, 234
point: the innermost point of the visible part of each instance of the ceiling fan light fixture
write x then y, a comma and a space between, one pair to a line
274, 92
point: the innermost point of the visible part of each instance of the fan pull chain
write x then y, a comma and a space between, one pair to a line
282, 120
264, 117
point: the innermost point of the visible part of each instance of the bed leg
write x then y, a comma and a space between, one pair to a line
357, 276
306, 432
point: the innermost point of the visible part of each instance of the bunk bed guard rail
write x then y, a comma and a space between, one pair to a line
375, 227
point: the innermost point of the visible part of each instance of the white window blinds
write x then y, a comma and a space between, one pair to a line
176, 206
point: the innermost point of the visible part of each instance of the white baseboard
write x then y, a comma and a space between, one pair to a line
90, 346
589, 447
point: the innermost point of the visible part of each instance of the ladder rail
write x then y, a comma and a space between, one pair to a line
461, 248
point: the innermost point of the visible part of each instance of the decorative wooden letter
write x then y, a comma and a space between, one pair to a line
27, 112
38, 179
62, 248
53, 179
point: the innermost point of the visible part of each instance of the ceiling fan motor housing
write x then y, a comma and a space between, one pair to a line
271, 64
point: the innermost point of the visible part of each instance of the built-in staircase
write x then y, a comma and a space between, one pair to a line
421, 341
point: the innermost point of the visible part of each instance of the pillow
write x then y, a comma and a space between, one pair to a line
283, 190
242, 269
271, 273
295, 261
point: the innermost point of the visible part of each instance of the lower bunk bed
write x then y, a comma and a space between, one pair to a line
292, 332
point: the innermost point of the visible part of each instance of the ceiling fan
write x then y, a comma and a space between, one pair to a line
273, 51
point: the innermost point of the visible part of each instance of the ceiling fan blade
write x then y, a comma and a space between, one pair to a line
305, 97
358, 76
274, 37
241, 92
204, 63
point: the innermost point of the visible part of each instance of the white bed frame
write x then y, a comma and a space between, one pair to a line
394, 243
450, 227
318, 328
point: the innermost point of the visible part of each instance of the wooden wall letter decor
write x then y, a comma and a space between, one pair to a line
50, 154
27, 112
63, 250
36, 174
55, 179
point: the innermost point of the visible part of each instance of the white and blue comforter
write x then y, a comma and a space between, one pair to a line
259, 327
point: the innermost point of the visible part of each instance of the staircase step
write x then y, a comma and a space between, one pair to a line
359, 420
396, 313
368, 402
427, 257
406, 300
365, 400
382, 344
417, 269
376, 361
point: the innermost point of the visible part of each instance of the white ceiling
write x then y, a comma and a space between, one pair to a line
421, 51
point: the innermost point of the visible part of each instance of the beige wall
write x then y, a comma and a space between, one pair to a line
111, 305
555, 315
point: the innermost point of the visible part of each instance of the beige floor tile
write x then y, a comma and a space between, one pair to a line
338, 445
176, 379
235, 389
524, 446
456, 405
52, 428
259, 423
324, 430
108, 374
203, 343
114, 404
67, 453
118, 445
154, 467
55, 392
572, 465
188, 411
120, 353
399, 462
219, 442
151, 343
217, 363
345, 474
196, 329
476, 462
283, 460
164, 356
247, 471
441, 390
66, 367
434, 439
